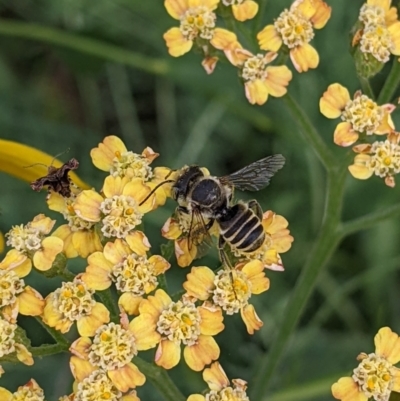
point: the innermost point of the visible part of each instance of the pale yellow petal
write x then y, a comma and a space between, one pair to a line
200, 281
359, 169
51, 247
215, 377
223, 39
30, 302
88, 325
277, 80
145, 331
138, 242
211, 321
87, 205
334, 100
86, 242
344, 135
114, 185
304, 57
176, 8
245, 11
394, 31
346, 389
127, 377
387, 344
168, 354
251, 319
104, 154
177, 44
269, 39
130, 303
202, 353
322, 14
64, 232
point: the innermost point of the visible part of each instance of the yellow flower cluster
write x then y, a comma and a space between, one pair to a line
105, 227
291, 33
361, 119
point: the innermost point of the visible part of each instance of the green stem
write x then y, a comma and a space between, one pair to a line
83, 44
57, 336
366, 87
310, 133
369, 220
48, 349
324, 246
391, 83
160, 379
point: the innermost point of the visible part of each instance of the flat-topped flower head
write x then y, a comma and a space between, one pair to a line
230, 290
125, 263
120, 210
242, 10
8, 344
182, 322
220, 387
378, 12
31, 391
74, 302
382, 158
294, 28
361, 115
197, 25
112, 350
16, 297
375, 376
30, 240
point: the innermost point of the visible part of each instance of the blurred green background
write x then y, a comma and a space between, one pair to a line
54, 98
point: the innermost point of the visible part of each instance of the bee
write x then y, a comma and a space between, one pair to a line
208, 199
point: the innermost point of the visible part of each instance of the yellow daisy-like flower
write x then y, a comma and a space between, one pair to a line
294, 28
16, 297
197, 25
29, 391
230, 290
79, 235
382, 158
9, 346
260, 80
71, 303
112, 350
375, 376
242, 10
181, 322
31, 241
120, 210
125, 263
378, 12
361, 116
220, 388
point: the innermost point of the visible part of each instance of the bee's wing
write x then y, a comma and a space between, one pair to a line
199, 234
256, 175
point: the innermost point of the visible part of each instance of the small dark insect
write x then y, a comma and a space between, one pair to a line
57, 179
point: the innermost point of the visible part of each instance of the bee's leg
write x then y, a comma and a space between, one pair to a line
209, 224
256, 208
222, 254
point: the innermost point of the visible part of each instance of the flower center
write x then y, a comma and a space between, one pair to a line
372, 15
198, 21
235, 393
232, 290
374, 376
7, 333
377, 40
131, 165
294, 28
180, 322
385, 158
10, 286
232, 2
75, 222
121, 216
113, 347
363, 114
25, 238
74, 300
136, 275
97, 386
28, 393
255, 68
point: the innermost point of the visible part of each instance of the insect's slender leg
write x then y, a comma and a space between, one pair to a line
256, 208
225, 261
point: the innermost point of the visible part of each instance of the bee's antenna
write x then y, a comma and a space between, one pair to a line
55, 157
154, 190
35, 164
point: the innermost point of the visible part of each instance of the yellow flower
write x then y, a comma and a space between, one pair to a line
119, 211
29, 391
30, 241
260, 80
9, 346
16, 297
243, 10
197, 25
382, 158
220, 388
71, 303
375, 376
230, 290
112, 350
181, 322
378, 12
361, 116
126, 264
295, 28
2, 244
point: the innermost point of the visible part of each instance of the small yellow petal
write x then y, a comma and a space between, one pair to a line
334, 100
346, 389
215, 377
177, 44
394, 31
104, 154
202, 353
88, 325
51, 247
176, 8
256, 91
359, 169
31, 303
87, 205
129, 376
211, 321
251, 319
86, 242
269, 39
223, 39
138, 242
24, 355
145, 331
80, 368
387, 344
322, 14
65, 233
130, 303
245, 11
304, 57
168, 354
114, 185
278, 78
199, 282
344, 135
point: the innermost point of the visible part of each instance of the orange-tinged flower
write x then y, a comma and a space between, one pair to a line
361, 116
197, 25
74, 302
30, 241
126, 264
242, 10
220, 388
179, 323
16, 297
120, 210
230, 290
375, 376
29, 391
112, 350
294, 28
